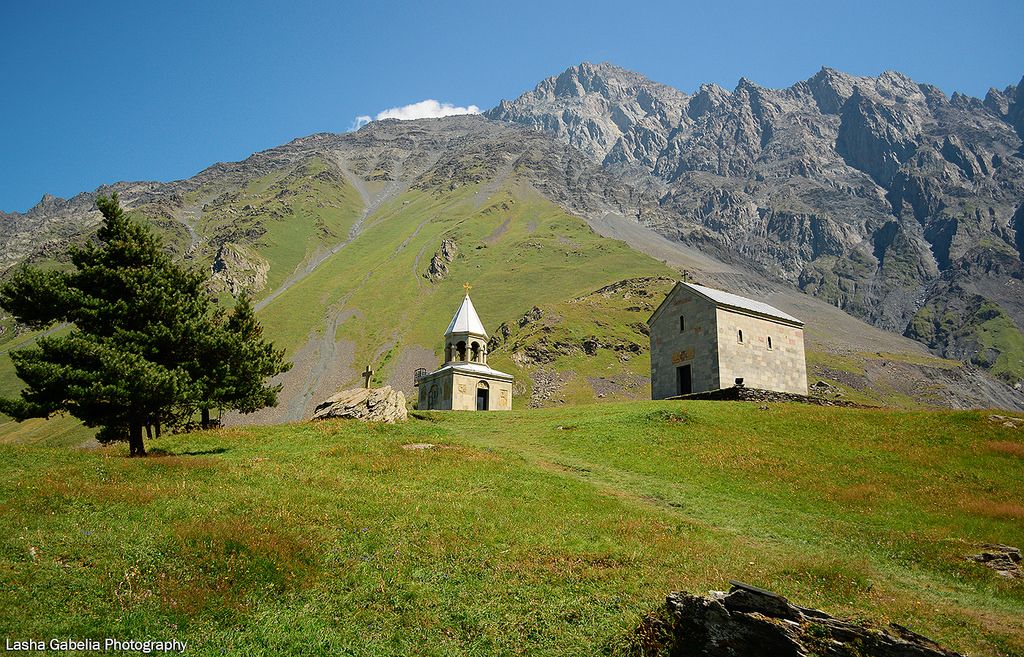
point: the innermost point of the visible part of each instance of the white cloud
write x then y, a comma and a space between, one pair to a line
425, 109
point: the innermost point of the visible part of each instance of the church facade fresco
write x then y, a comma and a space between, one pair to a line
464, 382
705, 339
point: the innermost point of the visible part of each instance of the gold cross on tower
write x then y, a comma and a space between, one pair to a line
366, 375
467, 287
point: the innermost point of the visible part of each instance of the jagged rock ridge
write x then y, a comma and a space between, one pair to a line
880, 195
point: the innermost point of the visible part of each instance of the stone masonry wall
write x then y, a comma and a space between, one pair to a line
458, 392
695, 345
782, 367
464, 393
444, 387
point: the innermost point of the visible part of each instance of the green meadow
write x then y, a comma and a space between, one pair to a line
552, 531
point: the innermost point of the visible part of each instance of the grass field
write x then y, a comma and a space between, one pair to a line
533, 532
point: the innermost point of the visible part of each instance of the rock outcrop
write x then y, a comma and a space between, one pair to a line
238, 269
751, 622
438, 267
366, 404
1004, 559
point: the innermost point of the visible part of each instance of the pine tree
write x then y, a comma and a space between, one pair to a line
241, 363
144, 346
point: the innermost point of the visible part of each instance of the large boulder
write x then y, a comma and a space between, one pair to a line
750, 622
367, 404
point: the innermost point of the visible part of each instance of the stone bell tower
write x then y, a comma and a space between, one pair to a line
465, 382
465, 339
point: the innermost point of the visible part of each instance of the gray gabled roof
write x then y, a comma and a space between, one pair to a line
731, 301
466, 320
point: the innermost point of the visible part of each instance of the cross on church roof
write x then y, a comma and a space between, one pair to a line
467, 287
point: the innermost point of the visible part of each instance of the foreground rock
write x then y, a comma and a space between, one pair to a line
750, 622
367, 404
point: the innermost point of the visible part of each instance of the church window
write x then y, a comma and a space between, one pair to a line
739, 336
475, 350
682, 323
448, 353
461, 349
769, 342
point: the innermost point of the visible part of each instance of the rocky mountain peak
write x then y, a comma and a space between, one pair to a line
896, 86
1008, 105
745, 84
708, 97
830, 89
605, 79
49, 202
867, 191
608, 112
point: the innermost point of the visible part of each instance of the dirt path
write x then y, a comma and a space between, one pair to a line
416, 267
496, 234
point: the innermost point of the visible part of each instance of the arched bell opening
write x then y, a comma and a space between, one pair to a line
460, 349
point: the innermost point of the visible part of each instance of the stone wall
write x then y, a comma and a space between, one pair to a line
457, 392
780, 365
464, 393
443, 381
695, 345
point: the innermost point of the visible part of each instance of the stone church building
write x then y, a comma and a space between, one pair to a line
705, 339
464, 382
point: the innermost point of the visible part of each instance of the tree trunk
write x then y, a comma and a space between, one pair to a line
135, 444
158, 427
149, 431
205, 421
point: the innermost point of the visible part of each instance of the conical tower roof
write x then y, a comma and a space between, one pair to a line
466, 320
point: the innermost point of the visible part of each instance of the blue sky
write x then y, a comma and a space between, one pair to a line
95, 92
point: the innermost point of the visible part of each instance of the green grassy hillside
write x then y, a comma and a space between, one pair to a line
550, 531
371, 303
516, 248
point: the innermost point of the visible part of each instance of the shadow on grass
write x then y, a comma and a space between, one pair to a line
427, 416
200, 452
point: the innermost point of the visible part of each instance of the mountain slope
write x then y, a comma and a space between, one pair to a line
879, 195
356, 247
